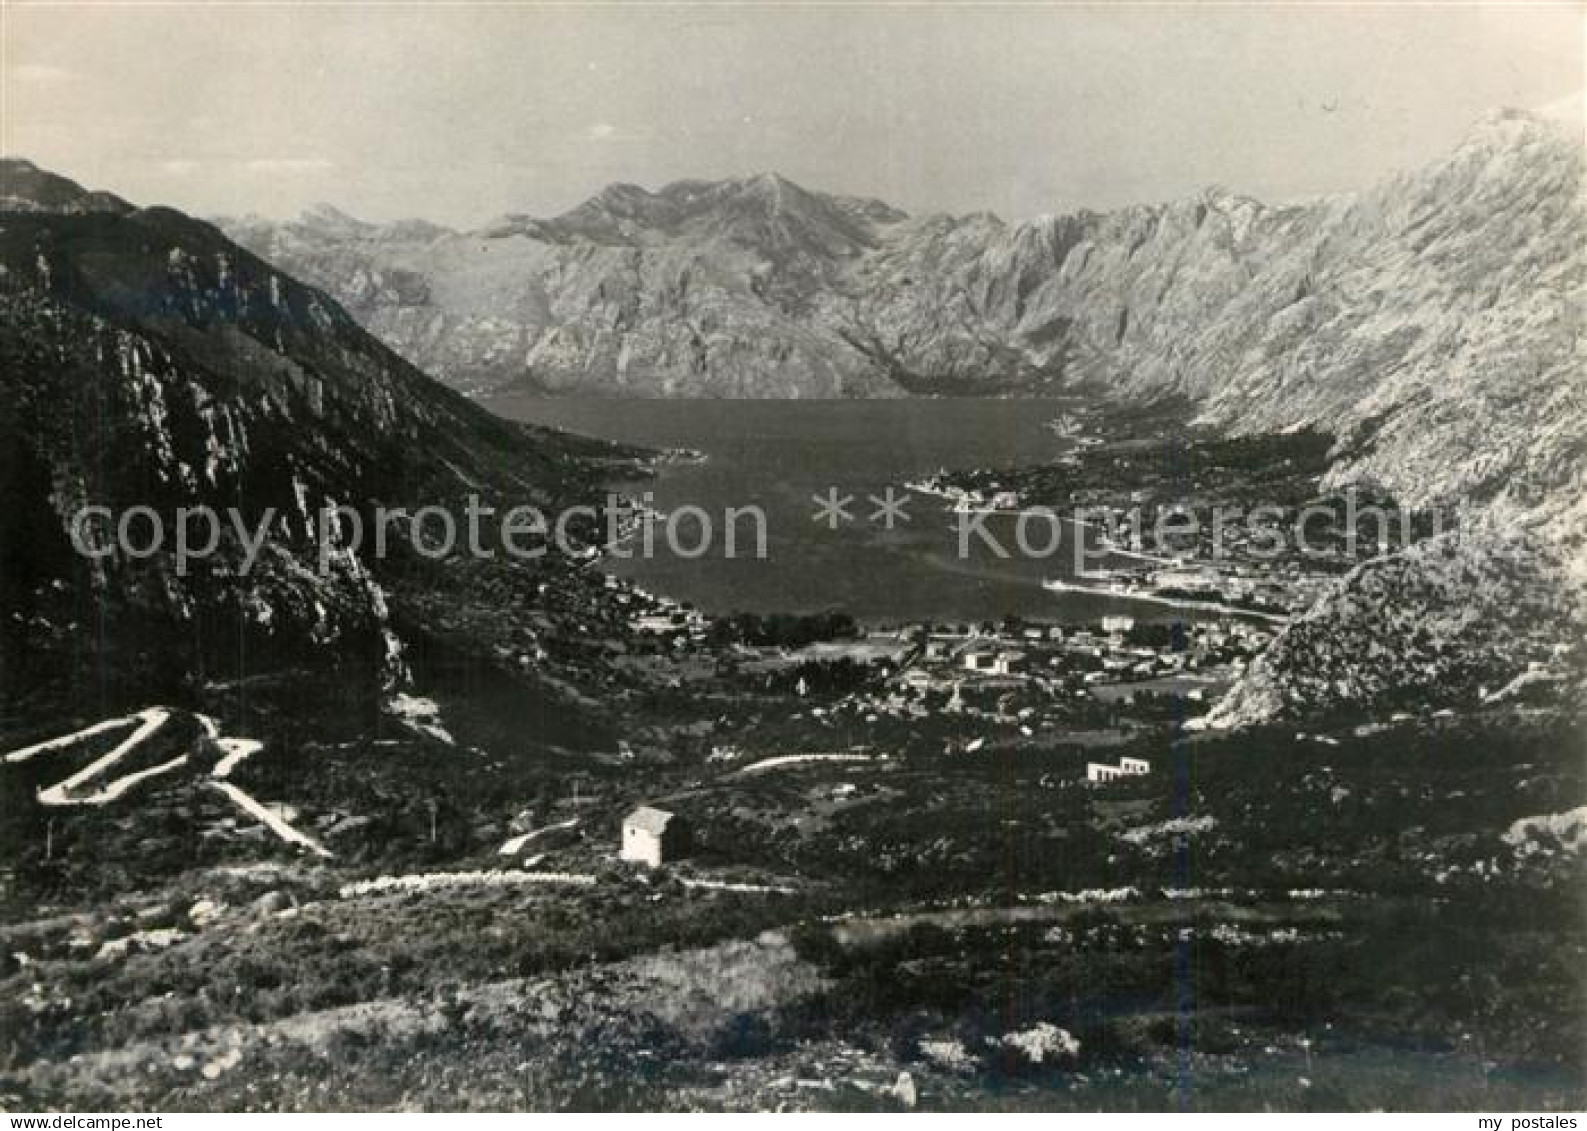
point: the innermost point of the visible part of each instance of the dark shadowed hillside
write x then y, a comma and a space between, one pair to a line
149, 361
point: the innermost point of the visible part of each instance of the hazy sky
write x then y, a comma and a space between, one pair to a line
459, 112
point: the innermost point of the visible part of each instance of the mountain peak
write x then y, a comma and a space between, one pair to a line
1552, 125
331, 219
24, 187
621, 193
769, 182
761, 209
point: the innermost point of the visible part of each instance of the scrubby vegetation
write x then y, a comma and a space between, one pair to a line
1264, 919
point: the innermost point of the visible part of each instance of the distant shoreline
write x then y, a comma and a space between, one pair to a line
1059, 586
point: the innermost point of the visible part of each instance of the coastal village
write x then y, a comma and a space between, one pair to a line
1114, 658
1179, 625
1238, 527
1214, 571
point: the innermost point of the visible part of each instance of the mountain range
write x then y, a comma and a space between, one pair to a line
1432, 322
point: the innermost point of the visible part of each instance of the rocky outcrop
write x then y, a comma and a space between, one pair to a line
1448, 623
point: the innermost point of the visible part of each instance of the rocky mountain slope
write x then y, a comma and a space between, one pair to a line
701, 289
1432, 322
1457, 622
147, 361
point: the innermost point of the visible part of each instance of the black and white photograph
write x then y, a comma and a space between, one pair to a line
745, 557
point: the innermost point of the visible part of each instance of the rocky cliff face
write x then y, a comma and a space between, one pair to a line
147, 361
1433, 322
701, 289
1437, 326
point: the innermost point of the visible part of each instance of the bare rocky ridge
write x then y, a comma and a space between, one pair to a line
1434, 323
701, 289
27, 188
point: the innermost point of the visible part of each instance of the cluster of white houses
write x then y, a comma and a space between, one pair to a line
1084, 657
989, 656
656, 615
1127, 768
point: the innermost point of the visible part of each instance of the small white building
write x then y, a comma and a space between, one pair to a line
658, 624
1127, 768
978, 659
940, 647
1006, 663
993, 661
1191, 579
653, 836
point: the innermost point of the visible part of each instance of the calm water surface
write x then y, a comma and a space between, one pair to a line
777, 454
